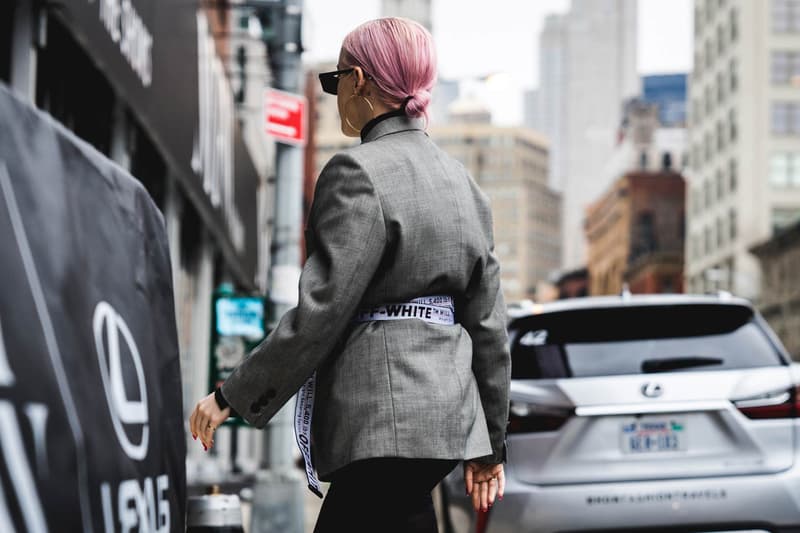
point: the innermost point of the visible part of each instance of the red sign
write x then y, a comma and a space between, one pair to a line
286, 116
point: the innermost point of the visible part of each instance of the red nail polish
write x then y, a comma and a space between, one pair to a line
205, 449
194, 436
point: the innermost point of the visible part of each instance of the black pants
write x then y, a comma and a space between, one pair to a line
387, 495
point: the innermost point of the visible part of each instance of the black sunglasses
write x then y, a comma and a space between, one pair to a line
330, 80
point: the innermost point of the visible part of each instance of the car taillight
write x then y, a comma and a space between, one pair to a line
532, 418
783, 405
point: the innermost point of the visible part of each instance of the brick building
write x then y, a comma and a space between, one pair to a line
635, 233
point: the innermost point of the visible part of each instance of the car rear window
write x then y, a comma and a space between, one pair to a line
636, 340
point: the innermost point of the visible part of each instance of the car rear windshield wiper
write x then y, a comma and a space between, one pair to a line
650, 366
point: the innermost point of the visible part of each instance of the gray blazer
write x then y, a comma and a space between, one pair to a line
393, 219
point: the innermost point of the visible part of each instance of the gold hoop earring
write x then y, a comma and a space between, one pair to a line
346, 114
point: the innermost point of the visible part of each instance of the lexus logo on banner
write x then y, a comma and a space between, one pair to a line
114, 342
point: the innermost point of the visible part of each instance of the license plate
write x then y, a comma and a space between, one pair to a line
653, 435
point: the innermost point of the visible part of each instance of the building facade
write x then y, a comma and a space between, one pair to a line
147, 86
419, 10
588, 59
510, 166
668, 92
744, 134
635, 235
780, 291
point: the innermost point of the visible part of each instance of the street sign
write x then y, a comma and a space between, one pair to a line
286, 116
238, 325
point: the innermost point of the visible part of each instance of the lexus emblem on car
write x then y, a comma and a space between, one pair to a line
652, 390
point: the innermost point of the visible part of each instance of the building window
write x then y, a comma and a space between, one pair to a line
695, 111
783, 217
734, 25
708, 93
720, 87
786, 16
733, 77
732, 228
720, 40
707, 194
707, 240
708, 52
785, 67
720, 181
698, 21
733, 130
720, 136
784, 170
720, 233
732, 175
696, 156
786, 118
707, 148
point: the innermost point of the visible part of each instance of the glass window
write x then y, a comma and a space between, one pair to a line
720, 136
794, 169
786, 16
779, 170
733, 131
707, 147
720, 233
675, 338
732, 228
782, 217
733, 76
707, 240
720, 87
781, 112
709, 53
779, 68
720, 40
732, 175
720, 181
698, 21
734, 25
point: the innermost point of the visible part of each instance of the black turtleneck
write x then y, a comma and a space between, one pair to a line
372, 123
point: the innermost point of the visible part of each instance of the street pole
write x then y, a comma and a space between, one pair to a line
285, 263
278, 498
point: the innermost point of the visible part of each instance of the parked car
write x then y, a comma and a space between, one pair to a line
645, 413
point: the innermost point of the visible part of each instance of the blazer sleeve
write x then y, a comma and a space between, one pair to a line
347, 226
484, 318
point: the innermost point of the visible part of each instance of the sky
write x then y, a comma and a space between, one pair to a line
473, 40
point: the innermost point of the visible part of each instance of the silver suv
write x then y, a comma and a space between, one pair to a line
646, 413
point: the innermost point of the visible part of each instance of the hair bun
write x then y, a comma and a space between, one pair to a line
416, 104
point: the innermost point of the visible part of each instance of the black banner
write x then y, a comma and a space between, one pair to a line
91, 429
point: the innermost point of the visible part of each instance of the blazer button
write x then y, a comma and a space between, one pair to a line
254, 407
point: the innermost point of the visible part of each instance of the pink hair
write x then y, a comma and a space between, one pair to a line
398, 54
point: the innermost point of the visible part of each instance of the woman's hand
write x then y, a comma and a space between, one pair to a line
484, 482
206, 417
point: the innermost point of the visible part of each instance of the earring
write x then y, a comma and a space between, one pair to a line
346, 114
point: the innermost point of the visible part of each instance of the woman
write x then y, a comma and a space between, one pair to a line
400, 311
